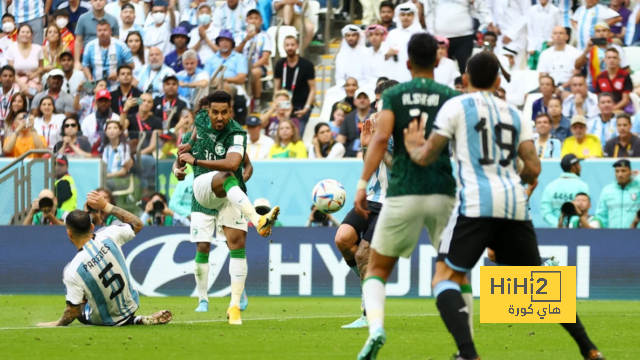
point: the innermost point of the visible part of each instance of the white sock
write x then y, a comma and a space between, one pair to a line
240, 200
238, 272
468, 301
374, 298
202, 280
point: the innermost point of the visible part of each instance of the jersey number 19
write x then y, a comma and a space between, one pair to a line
499, 131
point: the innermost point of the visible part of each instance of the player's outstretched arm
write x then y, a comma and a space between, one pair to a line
95, 201
532, 167
423, 152
71, 313
230, 163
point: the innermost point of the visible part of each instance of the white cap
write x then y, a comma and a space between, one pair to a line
55, 72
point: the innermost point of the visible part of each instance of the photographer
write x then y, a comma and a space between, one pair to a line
574, 215
562, 189
320, 219
157, 213
44, 211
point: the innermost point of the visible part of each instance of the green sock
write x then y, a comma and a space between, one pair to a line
237, 254
229, 183
202, 258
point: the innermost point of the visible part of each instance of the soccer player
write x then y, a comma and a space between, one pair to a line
417, 196
219, 189
353, 237
493, 145
99, 290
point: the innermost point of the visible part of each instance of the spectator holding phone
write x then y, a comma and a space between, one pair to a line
84, 102
280, 110
23, 138
44, 211
124, 91
587, 15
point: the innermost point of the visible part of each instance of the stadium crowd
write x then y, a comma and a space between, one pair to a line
121, 81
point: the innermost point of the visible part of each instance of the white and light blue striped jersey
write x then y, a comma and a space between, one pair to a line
485, 134
106, 61
263, 43
27, 10
377, 190
98, 273
565, 11
234, 20
587, 20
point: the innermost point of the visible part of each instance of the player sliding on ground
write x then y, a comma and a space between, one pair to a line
99, 291
217, 152
492, 209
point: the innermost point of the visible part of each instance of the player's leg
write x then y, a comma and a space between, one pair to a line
202, 227
523, 251
362, 258
162, 317
235, 229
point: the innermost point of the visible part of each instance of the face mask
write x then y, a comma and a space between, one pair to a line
158, 18
8, 27
204, 19
62, 23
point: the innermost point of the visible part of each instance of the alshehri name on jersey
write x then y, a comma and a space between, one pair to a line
379, 182
486, 133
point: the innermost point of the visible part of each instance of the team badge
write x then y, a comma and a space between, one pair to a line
194, 232
219, 149
634, 196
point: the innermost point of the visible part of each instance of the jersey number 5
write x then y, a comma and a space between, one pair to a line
113, 278
498, 131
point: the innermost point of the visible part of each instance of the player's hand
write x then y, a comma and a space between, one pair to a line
180, 174
96, 201
414, 138
186, 157
367, 133
48, 324
361, 204
530, 188
184, 148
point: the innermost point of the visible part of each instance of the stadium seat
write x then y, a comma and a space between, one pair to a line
277, 36
635, 100
633, 58
313, 7
527, 110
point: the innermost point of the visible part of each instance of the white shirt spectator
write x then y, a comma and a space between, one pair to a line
259, 150
559, 64
205, 52
446, 72
455, 18
234, 20
375, 64
336, 152
115, 9
590, 106
511, 17
159, 36
90, 129
69, 86
152, 79
586, 20
540, 23
346, 64
52, 131
398, 39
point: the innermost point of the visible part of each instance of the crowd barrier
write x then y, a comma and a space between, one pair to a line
302, 262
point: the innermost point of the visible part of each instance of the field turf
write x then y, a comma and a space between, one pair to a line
301, 328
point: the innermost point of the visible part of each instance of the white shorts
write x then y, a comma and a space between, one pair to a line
203, 193
402, 218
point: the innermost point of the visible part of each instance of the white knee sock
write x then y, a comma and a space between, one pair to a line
238, 272
468, 301
374, 298
202, 280
240, 200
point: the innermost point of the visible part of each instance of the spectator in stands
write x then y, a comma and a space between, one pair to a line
189, 12
619, 202
547, 88
458, 85
352, 47
117, 155
542, 19
562, 189
398, 40
169, 106
138, 51
581, 144
94, 124
616, 82
72, 144
158, 33
585, 18
258, 144
490, 40
387, 10
560, 125
86, 104
75, 9
63, 101
101, 218
290, 11
582, 219
29, 68
279, 111
604, 125
375, 54
338, 116
72, 77
625, 144
103, 55
191, 78
235, 74
151, 75
23, 138
53, 47
44, 210
87, 27
66, 192
8, 35
510, 25
324, 146
548, 146
632, 30
350, 87
262, 49
48, 122
350, 129
7, 89
143, 121
581, 101
130, 22
32, 14
446, 72
184, 125
17, 104
179, 38
296, 73
287, 143
124, 91
157, 213
619, 28
594, 56
232, 16
202, 38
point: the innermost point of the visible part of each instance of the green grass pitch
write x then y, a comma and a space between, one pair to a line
301, 328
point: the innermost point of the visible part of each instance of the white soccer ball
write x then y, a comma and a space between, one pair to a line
329, 196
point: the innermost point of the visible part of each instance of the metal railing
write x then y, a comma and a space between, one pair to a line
19, 183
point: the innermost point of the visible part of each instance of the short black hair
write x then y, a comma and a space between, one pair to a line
319, 126
60, 12
624, 115
219, 96
292, 37
539, 116
160, 195
483, 69
8, 68
606, 94
612, 49
79, 222
382, 78
124, 67
423, 50
584, 194
458, 81
490, 33
385, 85
103, 22
387, 4
7, 15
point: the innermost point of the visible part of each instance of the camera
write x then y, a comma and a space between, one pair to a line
157, 212
45, 205
568, 209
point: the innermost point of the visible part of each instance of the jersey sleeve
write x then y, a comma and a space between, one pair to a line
120, 234
74, 291
237, 144
448, 119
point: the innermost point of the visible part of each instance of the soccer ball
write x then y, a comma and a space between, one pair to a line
329, 196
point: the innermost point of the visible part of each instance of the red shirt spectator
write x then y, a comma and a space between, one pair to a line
620, 84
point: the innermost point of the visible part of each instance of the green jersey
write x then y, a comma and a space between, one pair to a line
419, 98
215, 145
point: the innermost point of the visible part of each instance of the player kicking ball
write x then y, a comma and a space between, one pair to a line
217, 153
489, 139
99, 291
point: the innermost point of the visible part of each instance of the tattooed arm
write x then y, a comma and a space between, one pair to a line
71, 313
